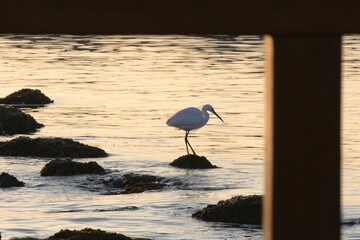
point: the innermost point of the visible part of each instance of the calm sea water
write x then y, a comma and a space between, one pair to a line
116, 92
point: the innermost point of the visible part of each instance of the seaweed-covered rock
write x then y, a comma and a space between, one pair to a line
89, 234
67, 167
7, 180
239, 209
26, 96
192, 161
132, 183
15, 121
49, 147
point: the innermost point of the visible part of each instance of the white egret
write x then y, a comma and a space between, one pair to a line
190, 119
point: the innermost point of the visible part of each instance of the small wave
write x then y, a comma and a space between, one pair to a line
205, 189
350, 222
118, 209
128, 208
25, 238
67, 211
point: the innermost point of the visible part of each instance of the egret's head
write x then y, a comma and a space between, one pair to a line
208, 107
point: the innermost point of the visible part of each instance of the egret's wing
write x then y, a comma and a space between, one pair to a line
187, 119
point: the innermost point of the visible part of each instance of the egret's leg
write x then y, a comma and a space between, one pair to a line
187, 141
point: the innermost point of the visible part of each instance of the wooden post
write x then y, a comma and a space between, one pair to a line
302, 192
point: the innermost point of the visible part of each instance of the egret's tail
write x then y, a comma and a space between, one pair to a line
170, 122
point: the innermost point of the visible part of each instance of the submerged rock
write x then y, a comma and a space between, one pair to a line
26, 96
7, 180
89, 234
67, 167
15, 121
192, 161
240, 209
49, 147
132, 183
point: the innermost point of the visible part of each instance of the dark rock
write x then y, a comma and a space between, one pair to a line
143, 187
89, 234
240, 209
192, 161
7, 180
49, 147
67, 167
26, 96
132, 183
15, 121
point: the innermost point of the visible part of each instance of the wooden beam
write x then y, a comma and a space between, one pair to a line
302, 194
179, 17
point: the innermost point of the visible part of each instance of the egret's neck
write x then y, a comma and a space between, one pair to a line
205, 116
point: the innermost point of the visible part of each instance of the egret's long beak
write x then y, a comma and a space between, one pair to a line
213, 111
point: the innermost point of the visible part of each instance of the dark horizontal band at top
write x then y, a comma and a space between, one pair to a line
179, 17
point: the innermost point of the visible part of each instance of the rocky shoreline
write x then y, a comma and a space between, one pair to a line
26, 96
7, 180
14, 121
239, 209
49, 148
68, 167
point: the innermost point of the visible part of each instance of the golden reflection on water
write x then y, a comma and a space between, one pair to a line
117, 92
131, 86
